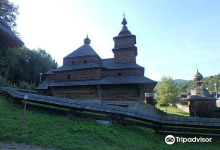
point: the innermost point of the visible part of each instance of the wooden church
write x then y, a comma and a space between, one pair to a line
86, 76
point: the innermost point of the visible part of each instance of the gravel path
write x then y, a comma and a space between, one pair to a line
19, 146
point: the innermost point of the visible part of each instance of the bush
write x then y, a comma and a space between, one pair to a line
27, 86
4, 82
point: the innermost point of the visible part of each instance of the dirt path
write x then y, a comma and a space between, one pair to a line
19, 146
183, 107
218, 103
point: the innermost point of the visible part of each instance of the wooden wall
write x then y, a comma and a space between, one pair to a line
125, 55
124, 92
80, 60
77, 92
47, 92
124, 72
85, 74
125, 41
202, 108
120, 92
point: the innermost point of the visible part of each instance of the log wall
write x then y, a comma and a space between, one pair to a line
125, 55
123, 72
85, 74
77, 92
80, 60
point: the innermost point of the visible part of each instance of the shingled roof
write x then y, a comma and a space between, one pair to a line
44, 85
85, 50
109, 64
103, 81
50, 71
6, 30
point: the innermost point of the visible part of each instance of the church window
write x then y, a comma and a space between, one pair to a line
68, 77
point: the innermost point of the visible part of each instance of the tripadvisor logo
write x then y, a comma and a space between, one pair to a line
170, 139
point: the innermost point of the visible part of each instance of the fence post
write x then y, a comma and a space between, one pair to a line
25, 103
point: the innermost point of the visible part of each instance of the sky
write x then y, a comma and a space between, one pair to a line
172, 35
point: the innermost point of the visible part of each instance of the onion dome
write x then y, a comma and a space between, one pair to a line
199, 93
124, 22
197, 78
87, 40
124, 29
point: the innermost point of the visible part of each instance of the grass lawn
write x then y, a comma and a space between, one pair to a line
173, 111
49, 129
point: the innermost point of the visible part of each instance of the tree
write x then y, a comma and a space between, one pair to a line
21, 65
9, 12
166, 92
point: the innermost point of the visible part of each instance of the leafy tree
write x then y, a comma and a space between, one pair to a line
8, 12
166, 92
19, 65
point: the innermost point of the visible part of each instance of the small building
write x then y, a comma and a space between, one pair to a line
201, 102
86, 76
8, 37
183, 98
215, 93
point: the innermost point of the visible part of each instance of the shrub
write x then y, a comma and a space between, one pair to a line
4, 82
27, 86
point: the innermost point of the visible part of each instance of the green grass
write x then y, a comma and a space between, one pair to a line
49, 129
173, 111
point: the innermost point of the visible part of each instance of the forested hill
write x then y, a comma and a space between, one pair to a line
208, 82
180, 81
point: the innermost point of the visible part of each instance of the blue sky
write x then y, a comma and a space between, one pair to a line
172, 35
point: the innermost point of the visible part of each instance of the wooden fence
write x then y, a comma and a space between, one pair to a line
185, 126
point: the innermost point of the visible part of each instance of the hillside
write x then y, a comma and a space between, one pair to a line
208, 82
177, 81
180, 81
49, 129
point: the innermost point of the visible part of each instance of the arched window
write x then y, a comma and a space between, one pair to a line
72, 62
84, 61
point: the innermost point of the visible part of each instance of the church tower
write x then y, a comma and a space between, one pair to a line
124, 49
